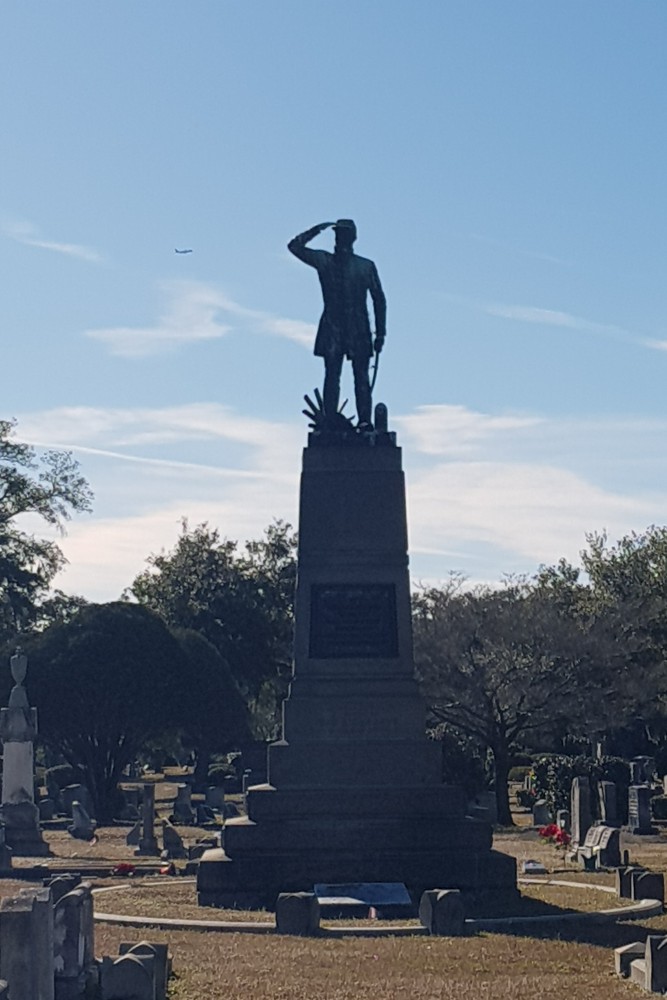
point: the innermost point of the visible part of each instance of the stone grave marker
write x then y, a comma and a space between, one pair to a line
442, 912
639, 809
128, 976
183, 812
215, 797
580, 810
74, 937
541, 813
83, 827
76, 793
172, 842
26, 944
162, 962
608, 803
148, 842
563, 819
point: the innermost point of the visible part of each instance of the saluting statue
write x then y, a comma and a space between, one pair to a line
344, 330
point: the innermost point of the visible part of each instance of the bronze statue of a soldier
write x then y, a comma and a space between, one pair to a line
344, 329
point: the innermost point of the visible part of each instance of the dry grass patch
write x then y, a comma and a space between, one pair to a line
487, 967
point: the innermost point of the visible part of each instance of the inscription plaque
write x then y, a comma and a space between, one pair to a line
353, 621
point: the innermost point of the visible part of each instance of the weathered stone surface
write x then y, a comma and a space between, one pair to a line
26, 944
442, 912
128, 976
82, 826
647, 885
639, 809
625, 955
580, 810
74, 938
298, 913
162, 962
172, 842
655, 959
148, 843
133, 837
354, 789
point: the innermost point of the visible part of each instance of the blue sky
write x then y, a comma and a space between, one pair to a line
505, 164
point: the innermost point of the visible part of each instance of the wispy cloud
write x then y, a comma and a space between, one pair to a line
488, 493
554, 317
454, 430
196, 312
534, 254
26, 233
191, 315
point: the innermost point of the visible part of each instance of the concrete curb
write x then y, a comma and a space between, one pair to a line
635, 911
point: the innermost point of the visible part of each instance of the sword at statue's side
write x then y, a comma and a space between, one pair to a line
376, 365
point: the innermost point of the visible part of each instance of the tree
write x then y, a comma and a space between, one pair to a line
105, 683
503, 667
212, 716
241, 601
50, 487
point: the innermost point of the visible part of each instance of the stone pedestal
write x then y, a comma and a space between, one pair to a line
18, 729
354, 791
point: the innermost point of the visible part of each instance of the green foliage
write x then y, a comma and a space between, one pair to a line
505, 667
48, 486
553, 774
240, 601
519, 772
105, 683
463, 761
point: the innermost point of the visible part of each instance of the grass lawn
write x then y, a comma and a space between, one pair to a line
570, 964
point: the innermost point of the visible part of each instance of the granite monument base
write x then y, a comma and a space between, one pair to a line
354, 790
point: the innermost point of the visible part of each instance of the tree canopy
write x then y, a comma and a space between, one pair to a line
47, 486
104, 684
240, 600
505, 667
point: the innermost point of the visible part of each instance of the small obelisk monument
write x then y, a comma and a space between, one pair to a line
18, 729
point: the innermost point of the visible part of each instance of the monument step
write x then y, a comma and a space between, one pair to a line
380, 763
241, 836
219, 877
267, 802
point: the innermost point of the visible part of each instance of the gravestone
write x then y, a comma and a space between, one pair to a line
162, 962
128, 976
442, 912
608, 803
148, 841
602, 847
541, 813
46, 808
5, 854
74, 937
639, 809
26, 944
18, 730
563, 819
624, 880
656, 964
133, 837
215, 797
82, 827
297, 913
580, 810
172, 843
183, 813
76, 793
354, 791
647, 885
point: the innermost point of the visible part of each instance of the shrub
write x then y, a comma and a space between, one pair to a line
554, 773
